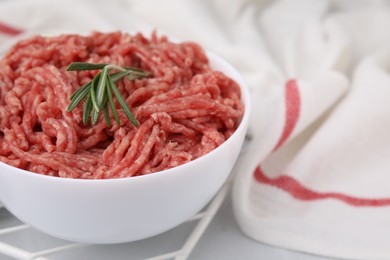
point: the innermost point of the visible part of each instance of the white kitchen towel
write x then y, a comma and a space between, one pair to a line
326, 191
314, 175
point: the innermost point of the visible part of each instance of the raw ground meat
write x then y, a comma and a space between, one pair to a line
185, 109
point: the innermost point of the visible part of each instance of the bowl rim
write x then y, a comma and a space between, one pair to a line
245, 97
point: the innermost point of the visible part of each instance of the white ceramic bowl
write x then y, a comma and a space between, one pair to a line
128, 209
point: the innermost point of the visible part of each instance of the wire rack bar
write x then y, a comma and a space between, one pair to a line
13, 229
166, 256
197, 216
16, 252
56, 250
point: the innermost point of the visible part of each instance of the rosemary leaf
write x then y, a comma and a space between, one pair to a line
123, 104
78, 96
77, 66
115, 77
111, 102
137, 71
94, 116
114, 67
105, 107
132, 77
82, 88
107, 116
87, 109
101, 88
93, 92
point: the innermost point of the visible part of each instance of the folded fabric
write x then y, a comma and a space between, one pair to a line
326, 191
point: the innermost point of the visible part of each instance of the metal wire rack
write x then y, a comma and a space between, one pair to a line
13, 233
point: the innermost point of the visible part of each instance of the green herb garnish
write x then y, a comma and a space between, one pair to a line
98, 93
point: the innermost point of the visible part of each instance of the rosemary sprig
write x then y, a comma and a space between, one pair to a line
98, 93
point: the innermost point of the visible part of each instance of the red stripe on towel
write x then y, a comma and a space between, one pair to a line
9, 30
298, 191
293, 105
